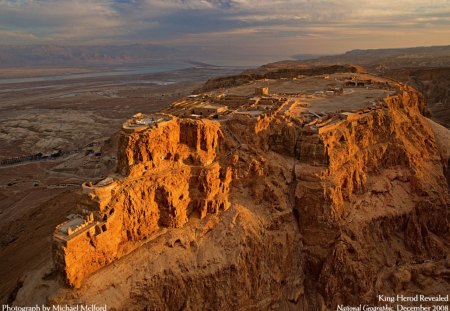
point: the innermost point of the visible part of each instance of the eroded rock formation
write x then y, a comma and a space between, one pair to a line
318, 212
169, 172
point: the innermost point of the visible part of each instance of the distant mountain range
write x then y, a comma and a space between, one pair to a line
308, 56
55, 55
434, 56
147, 54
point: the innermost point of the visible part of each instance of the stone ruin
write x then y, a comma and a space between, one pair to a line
262, 91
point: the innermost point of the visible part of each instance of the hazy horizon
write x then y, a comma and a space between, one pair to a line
259, 30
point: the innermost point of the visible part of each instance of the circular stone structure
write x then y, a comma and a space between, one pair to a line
140, 122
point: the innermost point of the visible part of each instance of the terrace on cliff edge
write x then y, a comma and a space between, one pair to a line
291, 191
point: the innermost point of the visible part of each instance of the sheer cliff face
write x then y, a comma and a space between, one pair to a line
396, 140
433, 82
382, 206
170, 172
315, 216
171, 142
185, 147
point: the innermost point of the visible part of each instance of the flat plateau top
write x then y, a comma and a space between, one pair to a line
351, 99
320, 93
307, 84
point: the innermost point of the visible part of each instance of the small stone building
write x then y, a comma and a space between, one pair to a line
207, 110
262, 91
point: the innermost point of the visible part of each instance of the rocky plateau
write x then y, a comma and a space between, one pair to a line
326, 186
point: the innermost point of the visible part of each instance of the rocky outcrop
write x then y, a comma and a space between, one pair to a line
318, 213
433, 83
169, 173
443, 144
383, 184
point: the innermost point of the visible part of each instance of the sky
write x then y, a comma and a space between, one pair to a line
241, 28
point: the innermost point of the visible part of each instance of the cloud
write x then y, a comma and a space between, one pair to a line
59, 20
265, 26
